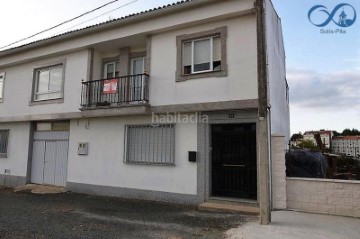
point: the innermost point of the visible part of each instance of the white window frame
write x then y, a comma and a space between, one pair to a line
36, 79
142, 78
105, 65
184, 56
7, 133
211, 50
132, 64
2, 82
193, 55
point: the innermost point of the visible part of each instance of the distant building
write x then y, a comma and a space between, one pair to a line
325, 136
349, 145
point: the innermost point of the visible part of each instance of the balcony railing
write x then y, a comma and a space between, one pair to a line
115, 91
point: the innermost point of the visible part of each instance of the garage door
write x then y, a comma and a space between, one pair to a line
49, 158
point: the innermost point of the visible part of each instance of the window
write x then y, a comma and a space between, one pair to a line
150, 144
49, 83
137, 66
4, 136
2, 78
53, 126
137, 89
111, 69
202, 55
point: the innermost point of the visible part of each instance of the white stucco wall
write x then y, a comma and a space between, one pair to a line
19, 80
280, 120
241, 82
209, 12
18, 145
104, 164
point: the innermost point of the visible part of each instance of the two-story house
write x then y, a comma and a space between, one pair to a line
325, 136
175, 104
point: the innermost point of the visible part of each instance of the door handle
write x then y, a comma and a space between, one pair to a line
234, 165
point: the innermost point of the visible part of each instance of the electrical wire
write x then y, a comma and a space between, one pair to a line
96, 17
60, 24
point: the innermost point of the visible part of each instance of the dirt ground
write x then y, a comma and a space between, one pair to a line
71, 215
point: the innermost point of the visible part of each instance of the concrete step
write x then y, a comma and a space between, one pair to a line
232, 207
40, 189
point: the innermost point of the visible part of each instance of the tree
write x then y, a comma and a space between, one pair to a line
336, 133
297, 136
308, 144
348, 132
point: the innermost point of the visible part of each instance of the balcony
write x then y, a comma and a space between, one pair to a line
115, 92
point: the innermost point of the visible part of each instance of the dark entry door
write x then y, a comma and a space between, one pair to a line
234, 161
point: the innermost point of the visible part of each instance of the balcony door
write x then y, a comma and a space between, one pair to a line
111, 69
137, 80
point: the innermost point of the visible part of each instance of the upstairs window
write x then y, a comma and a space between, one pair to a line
49, 83
111, 69
202, 55
2, 79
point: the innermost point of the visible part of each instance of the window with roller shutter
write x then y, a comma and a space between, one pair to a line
150, 144
202, 54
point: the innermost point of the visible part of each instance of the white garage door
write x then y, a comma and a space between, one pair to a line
49, 158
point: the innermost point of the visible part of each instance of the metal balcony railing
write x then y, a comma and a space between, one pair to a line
115, 91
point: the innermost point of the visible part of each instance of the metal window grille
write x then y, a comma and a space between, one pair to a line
4, 136
150, 144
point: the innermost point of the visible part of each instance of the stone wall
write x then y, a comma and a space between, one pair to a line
337, 197
278, 172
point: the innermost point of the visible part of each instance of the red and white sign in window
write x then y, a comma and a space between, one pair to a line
110, 86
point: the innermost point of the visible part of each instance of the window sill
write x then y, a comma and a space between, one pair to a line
220, 73
46, 102
151, 164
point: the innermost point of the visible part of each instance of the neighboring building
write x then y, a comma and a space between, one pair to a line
86, 109
348, 145
325, 135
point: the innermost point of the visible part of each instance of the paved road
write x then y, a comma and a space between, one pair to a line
298, 225
73, 215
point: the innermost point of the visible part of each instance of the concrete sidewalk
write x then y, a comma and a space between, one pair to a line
294, 225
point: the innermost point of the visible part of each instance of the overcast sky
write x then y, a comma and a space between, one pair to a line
323, 70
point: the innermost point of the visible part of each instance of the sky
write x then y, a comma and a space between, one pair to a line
323, 70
